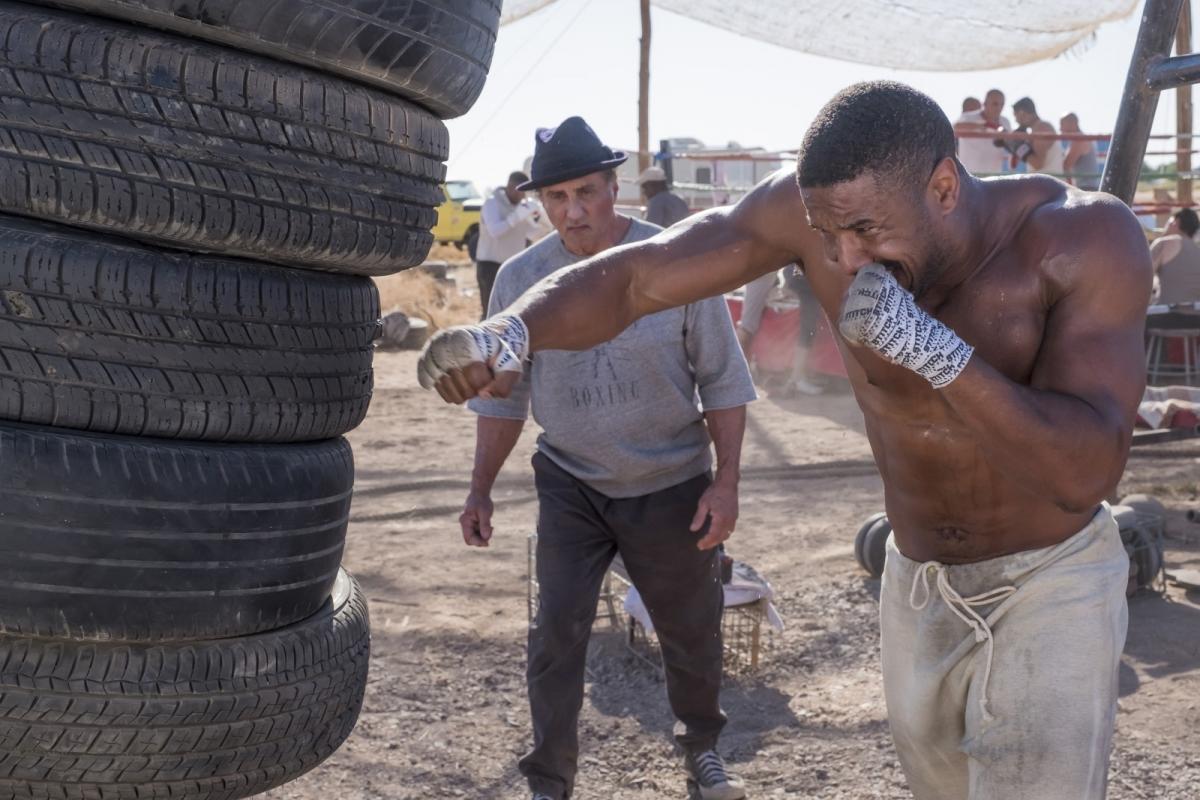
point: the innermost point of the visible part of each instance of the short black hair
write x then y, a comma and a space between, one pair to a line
517, 178
1025, 104
882, 128
1189, 222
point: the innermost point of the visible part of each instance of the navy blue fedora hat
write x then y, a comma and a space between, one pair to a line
567, 152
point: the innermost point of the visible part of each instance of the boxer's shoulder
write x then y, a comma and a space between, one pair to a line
1072, 237
774, 214
1065, 219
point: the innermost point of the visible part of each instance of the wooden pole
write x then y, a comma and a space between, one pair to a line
1183, 107
644, 92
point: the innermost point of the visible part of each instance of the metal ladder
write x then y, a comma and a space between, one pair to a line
1152, 70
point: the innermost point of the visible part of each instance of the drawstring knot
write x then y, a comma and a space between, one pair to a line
964, 609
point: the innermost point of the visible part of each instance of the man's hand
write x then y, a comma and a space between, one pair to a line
880, 314
484, 359
476, 520
719, 505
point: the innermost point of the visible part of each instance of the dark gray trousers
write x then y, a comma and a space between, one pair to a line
579, 532
485, 275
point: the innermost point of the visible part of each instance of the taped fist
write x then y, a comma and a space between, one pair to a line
482, 360
881, 315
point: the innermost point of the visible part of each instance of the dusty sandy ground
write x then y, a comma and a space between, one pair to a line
445, 712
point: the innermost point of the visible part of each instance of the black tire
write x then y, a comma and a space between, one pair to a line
433, 52
189, 145
1150, 510
1145, 553
131, 539
870, 544
1141, 521
103, 335
216, 720
865, 539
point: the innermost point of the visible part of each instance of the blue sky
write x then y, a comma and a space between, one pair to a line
581, 57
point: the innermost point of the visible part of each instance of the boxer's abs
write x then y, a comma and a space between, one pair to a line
947, 503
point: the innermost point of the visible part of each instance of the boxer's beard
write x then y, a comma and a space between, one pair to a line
936, 263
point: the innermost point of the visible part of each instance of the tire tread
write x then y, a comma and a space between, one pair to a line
219, 719
191, 146
99, 335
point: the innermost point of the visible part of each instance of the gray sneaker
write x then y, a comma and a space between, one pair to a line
709, 780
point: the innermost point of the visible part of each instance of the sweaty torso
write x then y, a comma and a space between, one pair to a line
944, 498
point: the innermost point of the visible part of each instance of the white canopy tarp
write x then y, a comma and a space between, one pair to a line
955, 35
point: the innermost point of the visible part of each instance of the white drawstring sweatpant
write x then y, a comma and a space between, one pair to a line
1001, 676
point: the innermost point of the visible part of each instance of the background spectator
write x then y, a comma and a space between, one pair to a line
663, 208
1042, 154
754, 303
979, 155
1176, 258
1080, 162
509, 220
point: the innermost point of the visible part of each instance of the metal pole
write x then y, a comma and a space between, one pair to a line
644, 92
1183, 108
1139, 102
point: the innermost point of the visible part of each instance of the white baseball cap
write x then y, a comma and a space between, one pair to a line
651, 174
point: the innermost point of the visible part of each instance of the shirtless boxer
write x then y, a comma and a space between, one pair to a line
992, 331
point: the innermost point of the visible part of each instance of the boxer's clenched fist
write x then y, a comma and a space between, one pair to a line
880, 314
470, 360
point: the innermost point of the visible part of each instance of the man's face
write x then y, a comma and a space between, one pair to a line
993, 106
1068, 124
514, 195
1024, 118
582, 211
867, 220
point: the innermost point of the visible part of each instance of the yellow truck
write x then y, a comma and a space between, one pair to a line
458, 216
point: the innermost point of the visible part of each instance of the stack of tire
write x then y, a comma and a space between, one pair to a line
192, 193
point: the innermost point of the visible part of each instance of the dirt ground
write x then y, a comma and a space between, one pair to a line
445, 712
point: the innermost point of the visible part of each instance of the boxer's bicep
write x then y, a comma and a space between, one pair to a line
1093, 346
592, 301
721, 249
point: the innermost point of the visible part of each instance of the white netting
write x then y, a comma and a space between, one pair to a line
918, 34
515, 9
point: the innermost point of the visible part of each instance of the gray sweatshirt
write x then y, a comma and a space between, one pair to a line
625, 417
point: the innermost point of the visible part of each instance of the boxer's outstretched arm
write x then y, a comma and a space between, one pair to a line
710, 253
593, 301
1066, 436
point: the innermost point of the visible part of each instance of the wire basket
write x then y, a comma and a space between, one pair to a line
742, 635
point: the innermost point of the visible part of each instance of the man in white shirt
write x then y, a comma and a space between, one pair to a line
979, 155
508, 221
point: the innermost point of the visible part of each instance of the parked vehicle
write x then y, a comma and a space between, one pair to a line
458, 216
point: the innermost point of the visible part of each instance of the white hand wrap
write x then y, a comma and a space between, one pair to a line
501, 343
880, 314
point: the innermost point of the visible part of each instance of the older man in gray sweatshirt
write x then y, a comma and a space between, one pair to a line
624, 466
